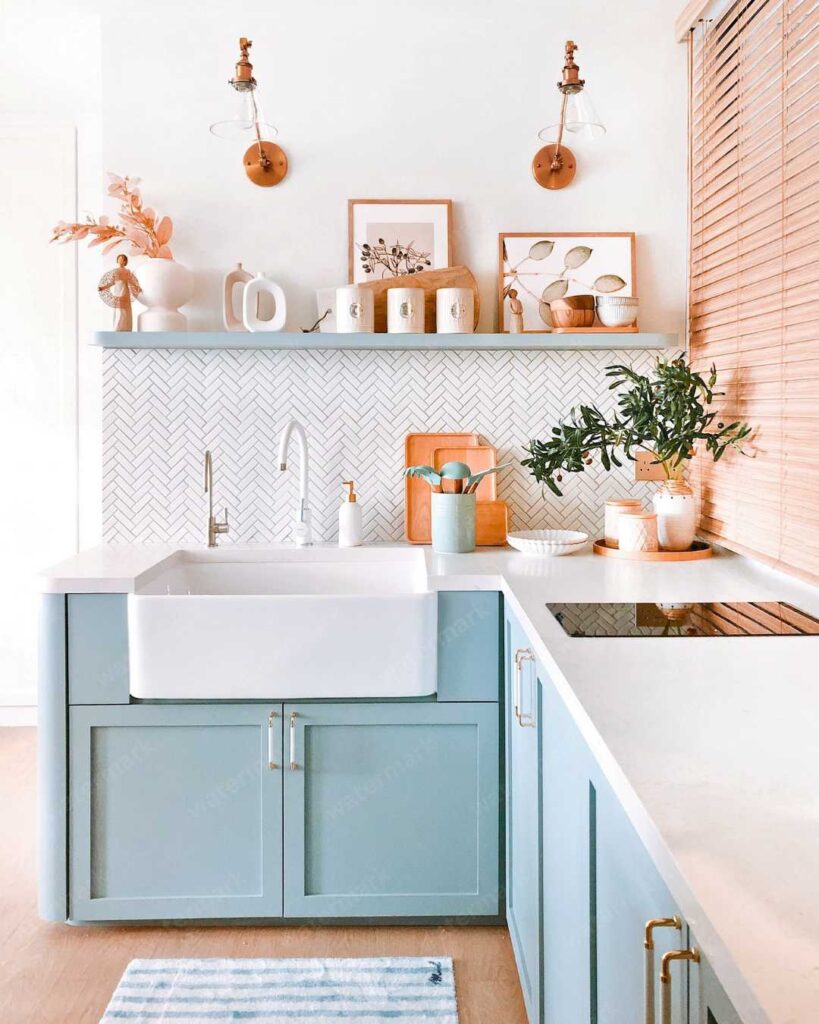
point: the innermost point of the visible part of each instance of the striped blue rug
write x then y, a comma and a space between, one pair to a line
403, 989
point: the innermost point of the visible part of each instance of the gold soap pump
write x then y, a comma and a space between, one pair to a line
350, 534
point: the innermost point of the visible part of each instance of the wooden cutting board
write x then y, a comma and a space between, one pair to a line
419, 450
477, 457
429, 281
491, 523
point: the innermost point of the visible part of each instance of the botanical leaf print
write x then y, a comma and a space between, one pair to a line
555, 290
576, 257
607, 283
540, 250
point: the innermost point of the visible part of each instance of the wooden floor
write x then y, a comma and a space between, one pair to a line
52, 973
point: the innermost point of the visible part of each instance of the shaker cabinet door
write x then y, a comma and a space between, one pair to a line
175, 812
391, 810
523, 815
709, 1003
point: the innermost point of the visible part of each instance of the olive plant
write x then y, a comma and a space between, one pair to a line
666, 415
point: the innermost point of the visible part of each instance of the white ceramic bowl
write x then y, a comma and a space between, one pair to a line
617, 310
542, 543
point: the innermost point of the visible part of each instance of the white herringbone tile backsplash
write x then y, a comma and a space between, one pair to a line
162, 409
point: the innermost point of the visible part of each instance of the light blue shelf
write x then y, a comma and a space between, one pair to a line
382, 342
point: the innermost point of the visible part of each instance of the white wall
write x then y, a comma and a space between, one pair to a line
438, 98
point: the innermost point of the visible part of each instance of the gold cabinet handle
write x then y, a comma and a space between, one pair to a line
648, 947
692, 955
526, 719
271, 756
293, 763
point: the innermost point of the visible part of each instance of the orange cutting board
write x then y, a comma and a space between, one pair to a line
477, 457
491, 519
419, 450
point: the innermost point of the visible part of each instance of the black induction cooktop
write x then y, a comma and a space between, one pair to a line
713, 618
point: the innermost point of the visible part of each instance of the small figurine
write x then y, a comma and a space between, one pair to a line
117, 288
516, 309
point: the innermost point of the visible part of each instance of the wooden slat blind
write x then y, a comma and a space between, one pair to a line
754, 271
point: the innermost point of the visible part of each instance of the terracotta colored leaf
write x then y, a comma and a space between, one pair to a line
576, 257
540, 250
164, 253
111, 245
164, 230
608, 283
555, 290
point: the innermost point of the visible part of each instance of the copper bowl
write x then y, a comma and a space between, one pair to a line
574, 311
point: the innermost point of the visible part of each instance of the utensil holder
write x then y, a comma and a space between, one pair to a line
453, 522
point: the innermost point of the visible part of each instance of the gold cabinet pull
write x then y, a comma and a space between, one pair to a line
526, 719
271, 756
648, 948
293, 763
693, 955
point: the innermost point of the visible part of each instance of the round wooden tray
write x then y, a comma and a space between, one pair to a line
699, 549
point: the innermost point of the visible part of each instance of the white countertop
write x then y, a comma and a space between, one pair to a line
712, 744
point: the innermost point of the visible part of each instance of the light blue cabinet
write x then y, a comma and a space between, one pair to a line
709, 1003
470, 645
523, 814
569, 860
175, 812
391, 810
630, 892
97, 642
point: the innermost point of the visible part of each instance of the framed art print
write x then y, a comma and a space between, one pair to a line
392, 237
540, 267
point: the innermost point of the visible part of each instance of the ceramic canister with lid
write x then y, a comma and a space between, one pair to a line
613, 509
637, 531
405, 311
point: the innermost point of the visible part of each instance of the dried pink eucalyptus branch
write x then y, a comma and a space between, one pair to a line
138, 226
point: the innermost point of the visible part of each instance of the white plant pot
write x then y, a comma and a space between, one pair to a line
676, 509
166, 285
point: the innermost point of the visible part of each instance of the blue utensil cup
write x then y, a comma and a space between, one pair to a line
453, 523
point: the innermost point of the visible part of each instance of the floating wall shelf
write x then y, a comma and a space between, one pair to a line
383, 342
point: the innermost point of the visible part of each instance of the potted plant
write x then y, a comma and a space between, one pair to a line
165, 284
667, 415
453, 511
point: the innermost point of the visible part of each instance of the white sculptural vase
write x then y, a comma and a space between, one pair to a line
166, 285
261, 285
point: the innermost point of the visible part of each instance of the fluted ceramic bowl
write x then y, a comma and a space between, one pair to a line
546, 543
617, 310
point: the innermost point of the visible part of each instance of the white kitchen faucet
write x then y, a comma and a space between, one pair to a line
302, 533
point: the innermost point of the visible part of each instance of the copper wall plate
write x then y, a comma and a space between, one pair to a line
542, 167
276, 170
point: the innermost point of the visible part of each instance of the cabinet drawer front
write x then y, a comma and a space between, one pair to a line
175, 813
469, 645
391, 810
97, 649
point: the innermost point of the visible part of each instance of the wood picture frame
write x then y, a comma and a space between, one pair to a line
626, 264
439, 218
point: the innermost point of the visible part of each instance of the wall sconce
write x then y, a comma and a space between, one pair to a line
265, 163
554, 165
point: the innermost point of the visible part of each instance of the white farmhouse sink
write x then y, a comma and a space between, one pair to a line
285, 623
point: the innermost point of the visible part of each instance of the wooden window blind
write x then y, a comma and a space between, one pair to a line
754, 271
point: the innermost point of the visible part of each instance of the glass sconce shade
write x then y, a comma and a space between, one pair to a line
247, 114
581, 119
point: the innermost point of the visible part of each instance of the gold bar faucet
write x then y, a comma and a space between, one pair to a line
214, 526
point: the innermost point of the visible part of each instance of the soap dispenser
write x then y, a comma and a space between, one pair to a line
349, 519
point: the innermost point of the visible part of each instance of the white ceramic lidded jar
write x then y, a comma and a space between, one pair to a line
676, 509
614, 508
637, 531
355, 310
454, 311
405, 311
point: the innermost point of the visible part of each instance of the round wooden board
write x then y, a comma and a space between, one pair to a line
699, 549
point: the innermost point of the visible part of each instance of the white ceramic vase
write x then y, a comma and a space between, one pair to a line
676, 509
166, 285
250, 305
234, 280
